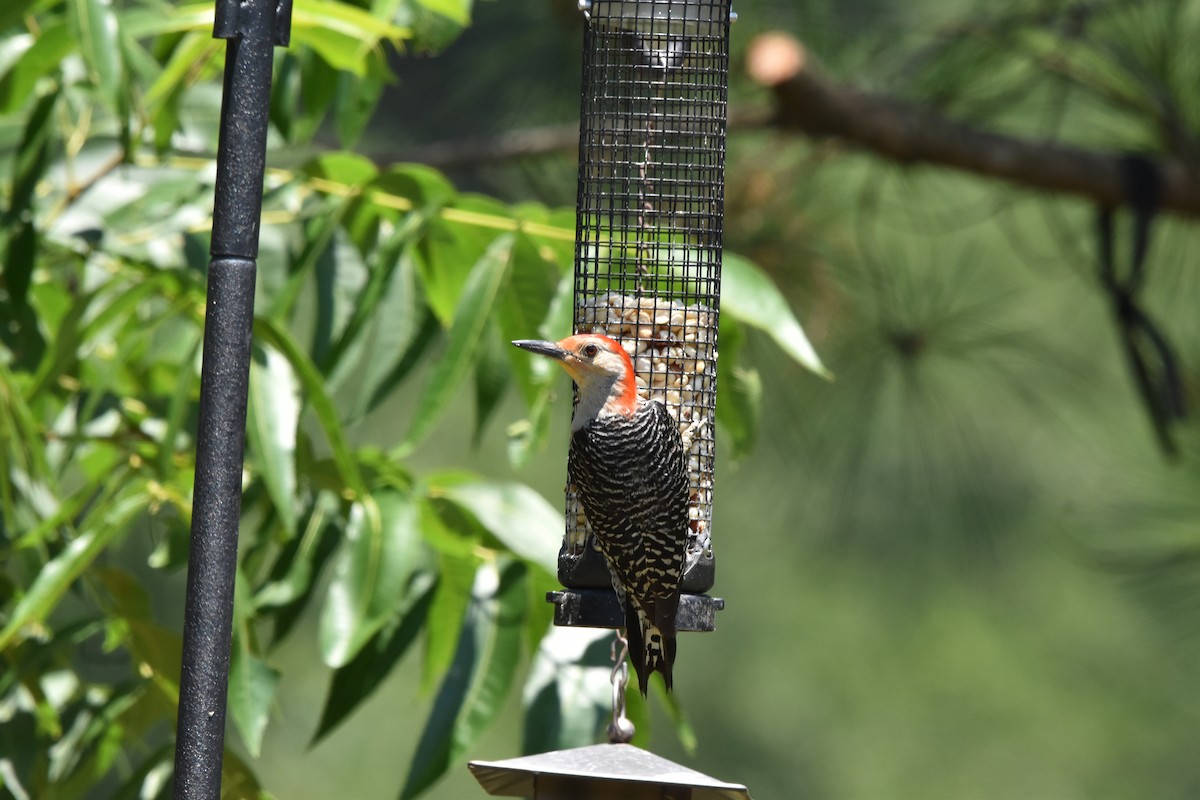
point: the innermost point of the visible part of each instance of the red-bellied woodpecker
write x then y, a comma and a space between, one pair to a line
628, 465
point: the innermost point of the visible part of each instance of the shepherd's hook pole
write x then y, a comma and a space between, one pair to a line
253, 28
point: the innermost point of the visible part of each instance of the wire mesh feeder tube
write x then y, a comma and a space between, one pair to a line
648, 250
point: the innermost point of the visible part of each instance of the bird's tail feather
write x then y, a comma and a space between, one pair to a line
650, 648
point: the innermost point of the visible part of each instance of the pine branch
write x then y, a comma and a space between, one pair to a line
811, 103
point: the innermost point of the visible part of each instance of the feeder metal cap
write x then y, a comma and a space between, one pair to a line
584, 772
648, 15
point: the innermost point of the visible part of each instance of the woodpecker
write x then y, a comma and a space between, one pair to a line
628, 464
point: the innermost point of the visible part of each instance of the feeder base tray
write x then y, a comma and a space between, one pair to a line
589, 570
598, 608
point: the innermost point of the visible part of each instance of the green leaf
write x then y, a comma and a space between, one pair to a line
238, 781
458, 11
347, 20
683, 728
456, 573
749, 296
98, 530
194, 50
480, 677
492, 375
739, 405
297, 581
95, 26
451, 247
527, 301
527, 436
371, 574
272, 416
396, 324
136, 785
29, 167
12, 11
318, 240
390, 281
252, 687
342, 167
340, 277
341, 34
313, 389
187, 384
293, 573
354, 105
568, 694
53, 43
358, 680
512, 512
470, 321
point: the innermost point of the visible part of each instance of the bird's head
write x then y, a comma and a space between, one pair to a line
600, 368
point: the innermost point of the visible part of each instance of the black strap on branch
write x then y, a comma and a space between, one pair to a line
1155, 367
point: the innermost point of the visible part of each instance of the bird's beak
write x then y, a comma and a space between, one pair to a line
548, 349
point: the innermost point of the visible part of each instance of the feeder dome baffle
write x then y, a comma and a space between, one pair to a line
648, 252
600, 771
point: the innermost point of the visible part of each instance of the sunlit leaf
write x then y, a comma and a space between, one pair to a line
370, 576
52, 44
527, 436
453, 245
456, 10
273, 413
103, 525
343, 35
12, 11
526, 303
568, 694
480, 677
252, 687
193, 52
95, 25
515, 514
749, 296
314, 391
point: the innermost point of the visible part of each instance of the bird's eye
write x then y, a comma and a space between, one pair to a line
591, 350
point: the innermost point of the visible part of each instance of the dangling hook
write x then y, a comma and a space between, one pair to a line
620, 730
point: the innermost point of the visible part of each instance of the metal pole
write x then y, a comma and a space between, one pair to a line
253, 28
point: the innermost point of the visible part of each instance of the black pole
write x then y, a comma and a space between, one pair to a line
253, 28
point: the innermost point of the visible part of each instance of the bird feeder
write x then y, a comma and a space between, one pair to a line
648, 252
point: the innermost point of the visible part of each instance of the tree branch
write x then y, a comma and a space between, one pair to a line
811, 103
529, 142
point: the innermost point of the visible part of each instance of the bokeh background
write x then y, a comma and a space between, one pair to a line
962, 568
959, 569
